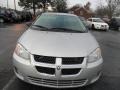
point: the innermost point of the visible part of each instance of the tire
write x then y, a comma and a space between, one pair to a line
93, 27
2, 20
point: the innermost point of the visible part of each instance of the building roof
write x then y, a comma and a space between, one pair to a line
76, 8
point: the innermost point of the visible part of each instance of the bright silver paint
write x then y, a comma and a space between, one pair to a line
58, 44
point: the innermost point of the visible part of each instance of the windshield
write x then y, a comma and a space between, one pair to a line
59, 22
98, 20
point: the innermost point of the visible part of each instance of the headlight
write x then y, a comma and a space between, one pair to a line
94, 56
22, 52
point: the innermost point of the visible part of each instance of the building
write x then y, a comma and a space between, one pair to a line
81, 11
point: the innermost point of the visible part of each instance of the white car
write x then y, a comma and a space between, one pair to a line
97, 23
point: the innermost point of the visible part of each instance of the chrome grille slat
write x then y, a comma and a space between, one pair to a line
53, 84
57, 82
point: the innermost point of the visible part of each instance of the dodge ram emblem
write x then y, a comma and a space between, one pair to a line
58, 67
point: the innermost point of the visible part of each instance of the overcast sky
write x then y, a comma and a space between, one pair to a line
94, 3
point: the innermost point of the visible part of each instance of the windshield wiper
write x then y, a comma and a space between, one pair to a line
67, 30
40, 26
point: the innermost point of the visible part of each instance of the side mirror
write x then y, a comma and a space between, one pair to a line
28, 24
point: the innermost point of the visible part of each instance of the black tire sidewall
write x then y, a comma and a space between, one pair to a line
93, 27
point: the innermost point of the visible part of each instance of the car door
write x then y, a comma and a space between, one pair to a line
113, 23
89, 22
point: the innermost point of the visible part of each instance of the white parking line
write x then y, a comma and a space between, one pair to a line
6, 87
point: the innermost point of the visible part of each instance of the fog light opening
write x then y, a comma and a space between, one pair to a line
96, 77
18, 74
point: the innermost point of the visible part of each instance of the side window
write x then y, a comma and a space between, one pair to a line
90, 20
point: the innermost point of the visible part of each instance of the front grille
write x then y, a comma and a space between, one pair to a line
70, 71
44, 59
59, 83
53, 61
102, 26
45, 70
69, 60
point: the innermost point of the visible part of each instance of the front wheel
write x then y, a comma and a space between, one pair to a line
93, 27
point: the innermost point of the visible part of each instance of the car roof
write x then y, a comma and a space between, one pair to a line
94, 18
52, 13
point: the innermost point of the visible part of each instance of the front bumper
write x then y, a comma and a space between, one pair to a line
26, 71
101, 28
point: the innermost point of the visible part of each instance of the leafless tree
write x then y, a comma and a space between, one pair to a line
87, 6
101, 10
111, 9
112, 6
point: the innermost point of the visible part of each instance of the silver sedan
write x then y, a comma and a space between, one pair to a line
57, 51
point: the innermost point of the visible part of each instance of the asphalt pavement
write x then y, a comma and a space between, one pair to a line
109, 43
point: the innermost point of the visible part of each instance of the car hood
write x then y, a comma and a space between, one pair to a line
58, 44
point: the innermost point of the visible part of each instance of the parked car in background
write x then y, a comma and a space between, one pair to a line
21, 16
26, 16
4, 16
58, 51
84, 21
115, 23
106, 20
19, 13
14, 16
97, 23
